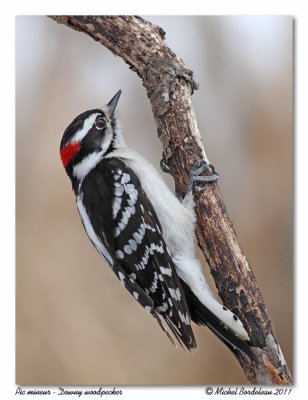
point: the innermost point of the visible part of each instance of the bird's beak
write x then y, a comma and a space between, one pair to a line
112, 105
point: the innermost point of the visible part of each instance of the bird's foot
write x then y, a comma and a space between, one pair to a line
164, 167
196, 180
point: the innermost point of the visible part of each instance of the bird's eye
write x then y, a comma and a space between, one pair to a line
100, 123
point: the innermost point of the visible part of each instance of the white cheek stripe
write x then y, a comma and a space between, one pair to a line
154, 285
85, 166
82, 169
87, 125
90, 231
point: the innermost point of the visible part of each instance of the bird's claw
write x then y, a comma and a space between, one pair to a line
164, 167
197, 169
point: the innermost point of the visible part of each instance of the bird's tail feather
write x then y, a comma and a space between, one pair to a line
201, 315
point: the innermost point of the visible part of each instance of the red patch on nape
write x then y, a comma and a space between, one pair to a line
68, 152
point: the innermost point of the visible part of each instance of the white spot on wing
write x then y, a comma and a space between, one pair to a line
184, 318
118, 191
122, 277
125, 178
163, 307
175, 294
147, 226
132, 276
154, 285
116, 206
126, 215
117, 203
166, 271
119, 254
128, 249
138, 238
149, 250
131, 192
133, 244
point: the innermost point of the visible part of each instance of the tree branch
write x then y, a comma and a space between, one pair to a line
170, 84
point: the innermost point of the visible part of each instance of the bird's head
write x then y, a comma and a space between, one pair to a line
90, 137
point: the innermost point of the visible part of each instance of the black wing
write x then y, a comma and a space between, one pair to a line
125, 222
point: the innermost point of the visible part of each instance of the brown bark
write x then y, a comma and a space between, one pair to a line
170, 84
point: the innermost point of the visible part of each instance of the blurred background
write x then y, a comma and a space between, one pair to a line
74, 322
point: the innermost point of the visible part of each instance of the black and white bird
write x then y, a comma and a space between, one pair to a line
143, 231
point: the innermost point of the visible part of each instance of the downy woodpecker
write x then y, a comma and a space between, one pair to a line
142, 230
